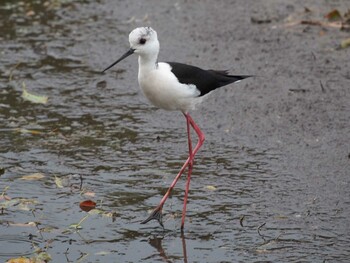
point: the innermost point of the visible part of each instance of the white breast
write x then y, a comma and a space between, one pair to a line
162, 89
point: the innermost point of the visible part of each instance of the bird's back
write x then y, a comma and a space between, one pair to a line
204, 80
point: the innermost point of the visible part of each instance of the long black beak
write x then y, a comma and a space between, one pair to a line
130, 52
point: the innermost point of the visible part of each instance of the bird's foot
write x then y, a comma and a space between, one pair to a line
157, 215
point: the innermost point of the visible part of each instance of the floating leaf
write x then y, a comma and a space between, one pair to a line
25, 131
87, 205
31, 97
29, 224
102, 253
58, 182
33, 177
210, 187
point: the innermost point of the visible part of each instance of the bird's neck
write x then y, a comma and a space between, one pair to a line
147, 63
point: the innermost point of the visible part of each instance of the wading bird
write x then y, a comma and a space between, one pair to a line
176, 87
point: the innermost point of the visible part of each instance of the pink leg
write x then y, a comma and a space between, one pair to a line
157, 212
189, 172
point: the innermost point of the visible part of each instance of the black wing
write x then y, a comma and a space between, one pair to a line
204, 80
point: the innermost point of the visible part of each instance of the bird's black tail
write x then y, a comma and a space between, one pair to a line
224, 78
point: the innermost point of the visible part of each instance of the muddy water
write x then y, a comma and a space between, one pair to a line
269, 184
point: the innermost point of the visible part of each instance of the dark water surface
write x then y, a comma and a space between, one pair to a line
270, 184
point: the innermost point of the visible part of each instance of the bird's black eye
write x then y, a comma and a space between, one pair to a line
142, 41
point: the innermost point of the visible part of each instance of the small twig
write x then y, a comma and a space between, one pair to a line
298, 90
311, 23
82, 257
114, 216
315, 23
32, 210
241, 220
82, 220
276, 238
322, 87
81, 182
66, 255
313, 55
4, 191
259, 231
39, 230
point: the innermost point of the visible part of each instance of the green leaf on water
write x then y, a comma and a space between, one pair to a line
31, 97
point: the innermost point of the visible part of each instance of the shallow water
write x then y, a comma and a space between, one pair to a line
97, 138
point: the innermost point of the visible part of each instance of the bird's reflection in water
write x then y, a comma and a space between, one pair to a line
184, 252
156, 242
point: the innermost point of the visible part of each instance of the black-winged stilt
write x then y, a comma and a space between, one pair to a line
173, 86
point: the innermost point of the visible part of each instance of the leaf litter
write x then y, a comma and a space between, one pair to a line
31, 97
26, 204
334, 19
33, 177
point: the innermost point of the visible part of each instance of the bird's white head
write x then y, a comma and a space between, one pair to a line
144, 42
